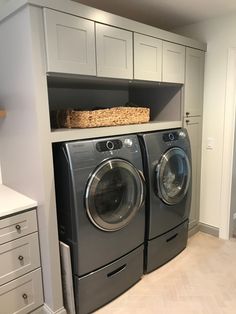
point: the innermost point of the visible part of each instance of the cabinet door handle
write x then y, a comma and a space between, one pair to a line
20, 258
18, 227
24, 296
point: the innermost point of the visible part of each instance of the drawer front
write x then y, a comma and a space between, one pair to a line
26, 292
17, 226
19, 257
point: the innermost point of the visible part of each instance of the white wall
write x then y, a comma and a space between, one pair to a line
2, 2
219, 34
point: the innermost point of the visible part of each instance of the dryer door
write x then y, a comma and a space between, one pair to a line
173, 176
114, 194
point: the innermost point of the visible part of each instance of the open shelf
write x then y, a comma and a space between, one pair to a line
61, 135
82, 93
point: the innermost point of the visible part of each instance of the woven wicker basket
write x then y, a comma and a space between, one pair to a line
101, 117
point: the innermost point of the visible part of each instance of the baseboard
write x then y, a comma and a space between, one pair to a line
209, 229
193, 230
47, 310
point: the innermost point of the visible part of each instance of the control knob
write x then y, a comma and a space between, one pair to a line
182, 134
128, 142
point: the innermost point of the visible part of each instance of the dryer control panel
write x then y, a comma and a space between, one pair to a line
104, 146
170, 136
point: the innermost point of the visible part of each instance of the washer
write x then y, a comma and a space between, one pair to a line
167, 165
100, 194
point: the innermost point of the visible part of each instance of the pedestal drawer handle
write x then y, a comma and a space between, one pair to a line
18, 227
20, 258
24, 296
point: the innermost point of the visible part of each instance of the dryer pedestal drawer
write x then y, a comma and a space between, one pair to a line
22, 295
103, 285
163, 248
19, 257
17, 226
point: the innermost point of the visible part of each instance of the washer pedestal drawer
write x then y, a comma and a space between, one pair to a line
163, 248
22, 295
101, 286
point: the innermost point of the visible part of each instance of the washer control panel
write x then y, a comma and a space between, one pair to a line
109, 145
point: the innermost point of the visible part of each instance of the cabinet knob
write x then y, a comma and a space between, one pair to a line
18, 227
20, 258
24, 296
187, 113
187, 121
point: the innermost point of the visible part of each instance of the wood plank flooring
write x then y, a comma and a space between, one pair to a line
200, 280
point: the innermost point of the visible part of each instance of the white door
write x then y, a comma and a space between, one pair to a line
147, 58
194, 129
173, 63
194, 81
114, 52
70, 43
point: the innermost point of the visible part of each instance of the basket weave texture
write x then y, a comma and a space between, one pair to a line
102, 117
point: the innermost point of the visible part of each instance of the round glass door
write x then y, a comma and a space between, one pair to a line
114, 194
173, 176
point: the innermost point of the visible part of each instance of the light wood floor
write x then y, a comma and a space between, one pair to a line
200, 280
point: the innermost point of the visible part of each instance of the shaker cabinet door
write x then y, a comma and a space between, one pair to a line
173, 63
114, 52
194, 128
194, 81
147, 58
70, 43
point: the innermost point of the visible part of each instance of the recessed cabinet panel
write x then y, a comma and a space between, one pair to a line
173, 63
17, 226
194, 128
22, 295
194, 81
19, 257
147, 58
70, 43
114, 52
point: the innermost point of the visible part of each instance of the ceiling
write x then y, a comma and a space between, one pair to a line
165, 14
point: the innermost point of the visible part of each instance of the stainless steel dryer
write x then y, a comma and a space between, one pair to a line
167, 166
101, 215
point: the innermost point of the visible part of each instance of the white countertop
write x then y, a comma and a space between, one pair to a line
12, 202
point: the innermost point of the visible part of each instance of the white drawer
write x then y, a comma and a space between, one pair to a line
17, 226
22, 295
19, 257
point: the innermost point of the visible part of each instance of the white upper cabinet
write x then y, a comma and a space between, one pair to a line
194, 81
173, 67
114, 52
147, 58
70, 43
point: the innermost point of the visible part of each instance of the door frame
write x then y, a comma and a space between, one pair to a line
228, 145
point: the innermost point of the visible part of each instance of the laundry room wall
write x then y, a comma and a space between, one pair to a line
1, 3
219, 34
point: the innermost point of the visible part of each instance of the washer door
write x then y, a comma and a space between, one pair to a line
114, 194
173, 176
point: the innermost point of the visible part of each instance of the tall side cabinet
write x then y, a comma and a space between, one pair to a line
193, 101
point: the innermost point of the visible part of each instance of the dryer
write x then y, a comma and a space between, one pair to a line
167, 165
100, 195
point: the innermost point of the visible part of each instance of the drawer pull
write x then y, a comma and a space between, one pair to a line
172, 238
20, 258
116, 271
18, 227
24, 296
